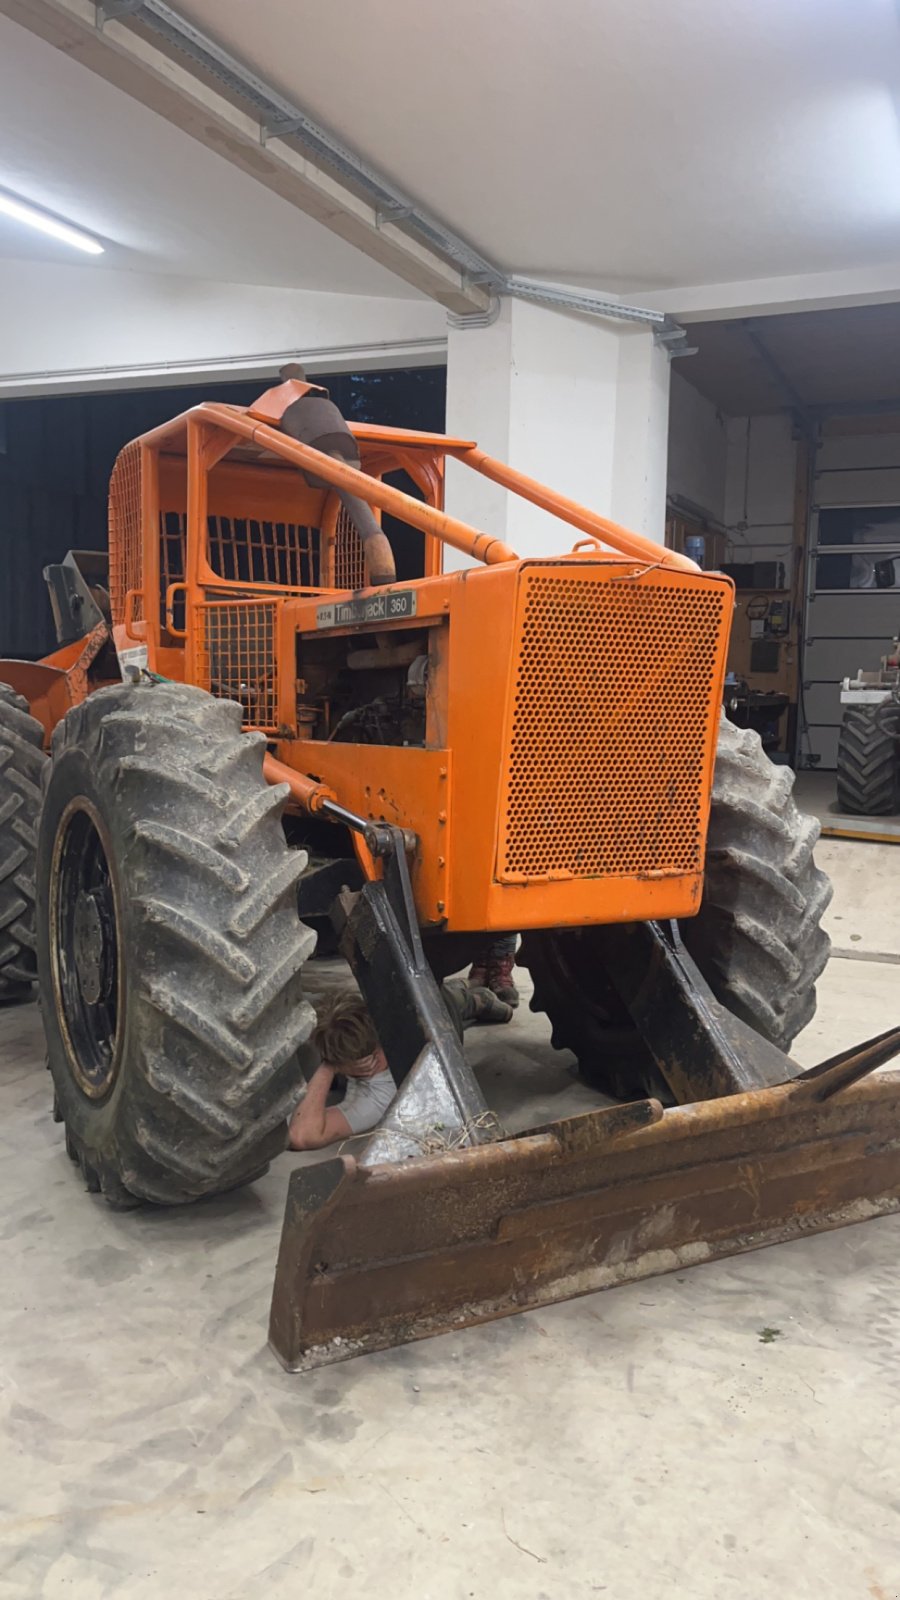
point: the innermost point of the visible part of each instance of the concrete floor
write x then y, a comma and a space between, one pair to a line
642, 1443
816, 792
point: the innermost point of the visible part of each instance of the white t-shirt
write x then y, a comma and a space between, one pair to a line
366, 1101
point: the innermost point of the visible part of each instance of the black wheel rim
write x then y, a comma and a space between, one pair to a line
85, 934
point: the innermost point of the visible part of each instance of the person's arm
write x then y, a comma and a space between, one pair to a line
314, 1124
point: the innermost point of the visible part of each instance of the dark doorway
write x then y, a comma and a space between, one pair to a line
56, 455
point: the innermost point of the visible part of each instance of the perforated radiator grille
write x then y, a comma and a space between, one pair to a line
607, 759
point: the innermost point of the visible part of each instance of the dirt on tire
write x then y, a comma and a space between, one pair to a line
208, 946
757, 938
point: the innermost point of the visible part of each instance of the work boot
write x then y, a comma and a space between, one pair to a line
473, 1007
492, 969
500, 978
485, 1007
477, 974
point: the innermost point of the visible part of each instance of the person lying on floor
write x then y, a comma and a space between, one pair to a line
347, 1044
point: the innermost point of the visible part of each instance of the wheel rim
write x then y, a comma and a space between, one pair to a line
85, 949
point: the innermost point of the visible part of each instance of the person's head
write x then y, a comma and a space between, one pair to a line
292, 370
345, 1037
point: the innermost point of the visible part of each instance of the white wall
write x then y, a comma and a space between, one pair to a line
759, 489
698, 449
71, 328
643, 376
579, 404
562, 414
739, 470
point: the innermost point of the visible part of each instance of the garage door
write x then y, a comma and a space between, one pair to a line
853, 579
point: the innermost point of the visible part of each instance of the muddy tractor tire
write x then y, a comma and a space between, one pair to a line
169, 948
868, 763
757, 938
22, 761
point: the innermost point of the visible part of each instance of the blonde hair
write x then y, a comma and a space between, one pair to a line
345, 1031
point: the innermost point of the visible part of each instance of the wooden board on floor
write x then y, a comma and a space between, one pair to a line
874, 830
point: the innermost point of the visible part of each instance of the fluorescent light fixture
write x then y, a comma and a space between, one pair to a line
22, 212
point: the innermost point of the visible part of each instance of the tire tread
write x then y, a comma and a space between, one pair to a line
868, 765
757, 938
216, 1013
22, 764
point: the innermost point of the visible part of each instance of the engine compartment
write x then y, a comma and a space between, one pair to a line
365, 688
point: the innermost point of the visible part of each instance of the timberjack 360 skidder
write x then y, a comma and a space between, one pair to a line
240, 723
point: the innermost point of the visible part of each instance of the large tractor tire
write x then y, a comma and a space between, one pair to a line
22, 761
757, 938
868, 764
169, 946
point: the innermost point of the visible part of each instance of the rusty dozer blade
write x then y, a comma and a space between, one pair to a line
400, 1243
377, 1256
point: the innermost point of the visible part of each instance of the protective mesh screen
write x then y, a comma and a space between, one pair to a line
235, 656
349, 561
125, 567
605, 769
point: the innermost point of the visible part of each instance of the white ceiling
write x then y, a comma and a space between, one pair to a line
158, 200
626, 144
632, 145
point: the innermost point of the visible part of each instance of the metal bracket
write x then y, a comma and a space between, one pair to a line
379, 935
75, 609
473, 320
702, 1050
391, 211
674, 341
112, 10
282, 128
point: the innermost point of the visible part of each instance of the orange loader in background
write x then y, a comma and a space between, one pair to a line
239, 741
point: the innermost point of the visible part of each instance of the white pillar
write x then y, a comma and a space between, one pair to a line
640, 464
578, 403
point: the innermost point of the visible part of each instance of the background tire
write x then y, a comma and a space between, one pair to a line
868, 764
757, 938
172, 1032
22, 762
586, 1016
